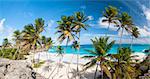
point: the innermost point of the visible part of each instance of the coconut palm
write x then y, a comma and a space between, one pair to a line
46, 43
5, 44
65, 30
76, 46
49, 43
99, 54
79, 24
43, 41
126, 23
31, 34
17, 38
121, 67
135, 33
60, 51
110, 15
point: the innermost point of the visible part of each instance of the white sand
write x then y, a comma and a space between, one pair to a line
66, 70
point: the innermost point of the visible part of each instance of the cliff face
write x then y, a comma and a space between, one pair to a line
16, 69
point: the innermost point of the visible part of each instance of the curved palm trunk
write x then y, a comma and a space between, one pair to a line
107, 29
2, 52
14, 56
95, 75
78, 56
59, 63
131, 42
121, 37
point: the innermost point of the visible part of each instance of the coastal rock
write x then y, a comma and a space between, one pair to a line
16, 69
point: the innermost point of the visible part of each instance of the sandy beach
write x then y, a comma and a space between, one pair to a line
52, 69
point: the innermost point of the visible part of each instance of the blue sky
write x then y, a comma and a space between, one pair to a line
14, 14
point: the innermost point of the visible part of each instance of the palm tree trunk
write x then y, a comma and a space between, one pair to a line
121, 37
78, 55
2, 52
108, 30
15, 53
96, 72
131, 42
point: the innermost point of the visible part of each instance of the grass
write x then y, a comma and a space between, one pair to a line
37, 65
7, 53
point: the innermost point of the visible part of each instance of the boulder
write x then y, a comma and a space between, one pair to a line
16, 69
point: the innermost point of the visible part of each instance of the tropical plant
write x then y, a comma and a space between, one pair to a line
125, 23
135, 33
6, 43
121, 66
31, 35
79, 23
46, 43
17, 38
65, 29
76, 46
110, 14
59, 51
99, 55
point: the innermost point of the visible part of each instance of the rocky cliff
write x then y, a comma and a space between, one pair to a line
17, 69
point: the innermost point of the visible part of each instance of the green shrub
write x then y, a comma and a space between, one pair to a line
9, 53
37, 65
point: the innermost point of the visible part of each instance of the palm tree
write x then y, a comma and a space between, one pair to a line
46, 43
76, 46
125, 23
65, 30
5, 44
121, 67
60, 52
43, 42
110, 15
49, 43
135, 33
99, 54
79, 24
17, 38
31, 34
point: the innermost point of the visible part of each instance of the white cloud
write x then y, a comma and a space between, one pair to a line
146, 28
2, 24
105, 24
51, 23
144, 32
90, 17
97, 35
124, 32
146, 12
6, 31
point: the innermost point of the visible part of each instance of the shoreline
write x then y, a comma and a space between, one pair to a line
67, 58
50, 68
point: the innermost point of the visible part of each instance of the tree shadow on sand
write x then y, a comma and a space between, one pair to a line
82, 74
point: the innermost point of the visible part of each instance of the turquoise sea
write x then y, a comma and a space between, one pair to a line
70, 50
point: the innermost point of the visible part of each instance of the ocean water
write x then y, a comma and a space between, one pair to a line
83, 48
